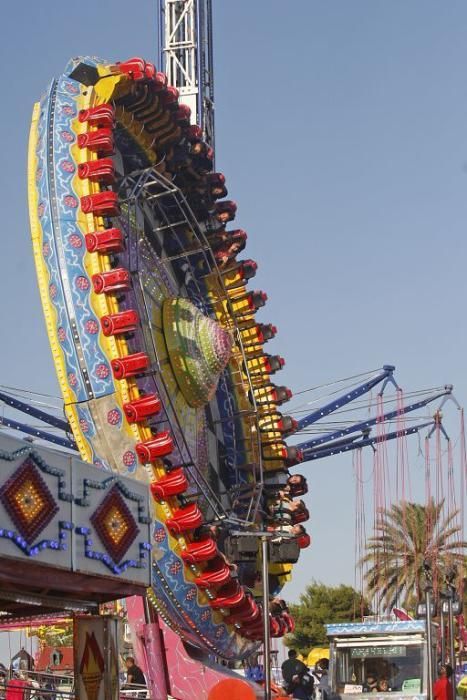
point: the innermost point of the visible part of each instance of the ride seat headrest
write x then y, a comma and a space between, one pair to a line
304, 541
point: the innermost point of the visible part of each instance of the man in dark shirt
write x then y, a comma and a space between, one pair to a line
134, 675
293, 671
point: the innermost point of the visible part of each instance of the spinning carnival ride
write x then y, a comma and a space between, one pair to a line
153, 332
159, 356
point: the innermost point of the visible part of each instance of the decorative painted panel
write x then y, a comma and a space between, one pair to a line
60, 511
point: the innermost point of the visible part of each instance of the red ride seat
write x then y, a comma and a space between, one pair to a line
139, 409
159, 446
200, 551
275, 626
246, 606
169, 98
120, 322
182, 115
101, 203
294, 456
160, 81
288, 425
244, 619
245, 613
226, 210
101, 116
116, 280
247, 269
278, 627
254, 631
171, 484
184, 519
137, 68
216, 178
304, 541
228, 596
300, 517
107, 241
99, 141
256, 300
101, 170
289, 622
130, 366
217, 573
194, 133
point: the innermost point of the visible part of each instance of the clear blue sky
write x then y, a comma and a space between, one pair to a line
342, 129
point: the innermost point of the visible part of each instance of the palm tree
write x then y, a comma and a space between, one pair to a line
405, 536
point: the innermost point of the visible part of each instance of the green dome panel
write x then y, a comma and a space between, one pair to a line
199, 349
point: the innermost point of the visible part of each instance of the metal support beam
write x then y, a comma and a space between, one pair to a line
442, 630
364, 425
36, 412
340, 446
41, 434
348, 397
266, 629
429, 626
429, 639
450, 581
438, 424
452, 652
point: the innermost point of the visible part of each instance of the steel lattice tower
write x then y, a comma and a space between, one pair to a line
186, 55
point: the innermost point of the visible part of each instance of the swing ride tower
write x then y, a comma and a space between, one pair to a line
186, 56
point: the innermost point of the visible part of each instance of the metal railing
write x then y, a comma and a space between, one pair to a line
38, 685
49, 686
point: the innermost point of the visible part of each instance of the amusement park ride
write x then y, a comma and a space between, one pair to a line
173, 447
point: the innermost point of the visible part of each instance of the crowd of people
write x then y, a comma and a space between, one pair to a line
298, 680
29, 685
26, 685
301, 682
295, 678
284, 512
374, 685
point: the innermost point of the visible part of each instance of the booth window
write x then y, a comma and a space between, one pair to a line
380, 668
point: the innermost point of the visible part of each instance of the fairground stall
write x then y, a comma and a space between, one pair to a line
381, 658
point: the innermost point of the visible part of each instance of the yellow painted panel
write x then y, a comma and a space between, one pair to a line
41, 268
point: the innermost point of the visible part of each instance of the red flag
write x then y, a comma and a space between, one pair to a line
401, 614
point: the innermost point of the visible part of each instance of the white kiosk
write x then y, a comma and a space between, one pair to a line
379, 659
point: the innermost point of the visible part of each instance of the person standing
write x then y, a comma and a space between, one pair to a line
16, 687
297, 680
254, 671
135, 679
442, 688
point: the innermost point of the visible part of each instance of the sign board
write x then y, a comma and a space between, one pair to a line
411, 685
350, 689
96, 658
370, 651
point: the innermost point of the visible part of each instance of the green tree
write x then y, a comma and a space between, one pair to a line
318, 606
406, 535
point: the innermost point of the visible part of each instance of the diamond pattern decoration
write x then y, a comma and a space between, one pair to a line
28, 501
115, 524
